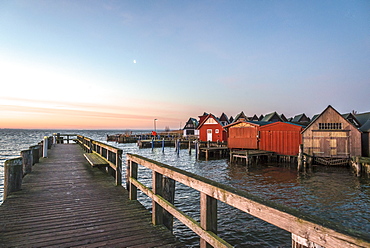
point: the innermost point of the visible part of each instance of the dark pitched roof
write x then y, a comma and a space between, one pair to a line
255, 118
350, 117
240, 116
366, 126
363, 117
282, 116
224, 119
299, 118
272, 117
193, 121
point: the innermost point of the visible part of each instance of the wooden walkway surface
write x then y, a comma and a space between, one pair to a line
66, 203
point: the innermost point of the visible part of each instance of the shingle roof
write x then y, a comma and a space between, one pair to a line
365, 127
363, 118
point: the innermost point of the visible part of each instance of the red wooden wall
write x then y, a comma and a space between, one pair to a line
280, 137
243, 136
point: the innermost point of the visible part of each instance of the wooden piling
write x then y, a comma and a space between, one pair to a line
27, 161
300, 158
13, 174
35, 153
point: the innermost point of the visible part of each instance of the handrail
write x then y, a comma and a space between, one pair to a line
310, 228
111, 154
59, 138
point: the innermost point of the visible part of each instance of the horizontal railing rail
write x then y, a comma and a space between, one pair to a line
60, 138
111, 154
303, 227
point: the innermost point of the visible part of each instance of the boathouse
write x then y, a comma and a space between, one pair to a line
190, 128
243, 135
365, 139
281, 137
331, 137
211, 129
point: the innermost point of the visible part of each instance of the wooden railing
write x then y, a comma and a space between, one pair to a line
111, 154
61, 138
307, 229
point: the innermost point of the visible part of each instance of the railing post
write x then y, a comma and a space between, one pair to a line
168, 187
45, 147
13, 173
208, 216
128, 167
133, 174
157, 210
27, 159
119, 167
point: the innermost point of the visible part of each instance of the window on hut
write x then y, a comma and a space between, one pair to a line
330, 126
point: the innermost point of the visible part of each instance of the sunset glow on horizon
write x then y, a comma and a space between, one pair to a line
122, 64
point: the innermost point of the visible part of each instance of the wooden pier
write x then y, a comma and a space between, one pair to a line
250, 155
307, 231
65, 202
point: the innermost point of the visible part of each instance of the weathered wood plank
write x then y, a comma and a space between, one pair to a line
95, 159
64, 202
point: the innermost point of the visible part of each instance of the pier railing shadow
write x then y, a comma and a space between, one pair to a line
306, 230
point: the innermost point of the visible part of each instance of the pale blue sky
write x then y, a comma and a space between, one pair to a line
76, 59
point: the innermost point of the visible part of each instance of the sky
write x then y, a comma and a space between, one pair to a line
122, 64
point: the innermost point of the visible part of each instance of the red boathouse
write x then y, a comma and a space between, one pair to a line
280, 137
211, 129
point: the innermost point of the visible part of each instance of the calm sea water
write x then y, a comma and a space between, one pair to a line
333, 194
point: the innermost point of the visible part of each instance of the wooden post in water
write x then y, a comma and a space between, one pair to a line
208, 216
197, 149
13, 173
27, 159
189, 146
300, 157
163, 145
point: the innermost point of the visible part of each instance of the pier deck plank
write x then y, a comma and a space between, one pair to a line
65, 202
